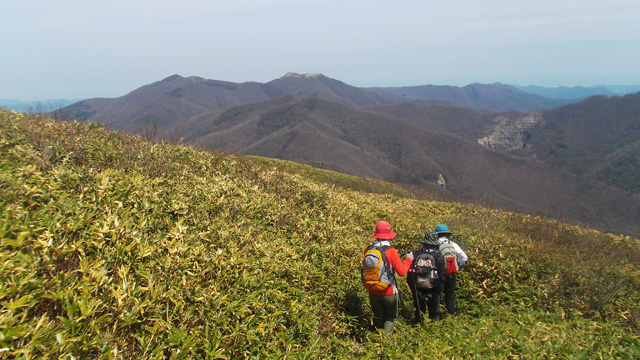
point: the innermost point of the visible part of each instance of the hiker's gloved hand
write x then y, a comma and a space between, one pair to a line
409, 255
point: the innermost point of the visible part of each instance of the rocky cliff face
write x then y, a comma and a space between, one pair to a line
510, 134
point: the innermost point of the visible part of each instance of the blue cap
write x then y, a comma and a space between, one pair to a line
442, 229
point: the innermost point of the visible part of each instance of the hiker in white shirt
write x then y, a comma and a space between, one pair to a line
443, 234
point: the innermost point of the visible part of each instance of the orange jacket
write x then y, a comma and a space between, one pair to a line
396, 265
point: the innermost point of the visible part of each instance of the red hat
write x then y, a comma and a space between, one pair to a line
383, 231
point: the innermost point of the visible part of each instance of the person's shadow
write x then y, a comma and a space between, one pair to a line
355, 300
353, 306
406, 309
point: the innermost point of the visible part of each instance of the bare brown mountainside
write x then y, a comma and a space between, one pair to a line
498, 97
371, 144
453, 119
324, 87
598, 138
177, 98
502, 131
165, 102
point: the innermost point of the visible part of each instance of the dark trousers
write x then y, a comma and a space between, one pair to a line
385, 311
426, 299
450, 293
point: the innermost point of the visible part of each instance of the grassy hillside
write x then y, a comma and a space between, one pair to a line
113, 247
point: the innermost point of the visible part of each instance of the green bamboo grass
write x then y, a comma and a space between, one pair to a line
113, 247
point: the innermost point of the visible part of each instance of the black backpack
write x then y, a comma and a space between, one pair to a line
425, 271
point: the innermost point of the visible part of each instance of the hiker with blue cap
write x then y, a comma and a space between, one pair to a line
455, 259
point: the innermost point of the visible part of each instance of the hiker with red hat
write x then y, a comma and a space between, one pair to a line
380, 264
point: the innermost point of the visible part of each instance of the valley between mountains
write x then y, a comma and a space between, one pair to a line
575, 160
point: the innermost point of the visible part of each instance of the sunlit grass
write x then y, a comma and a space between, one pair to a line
114, 247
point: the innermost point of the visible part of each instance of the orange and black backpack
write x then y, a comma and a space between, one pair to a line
376, 272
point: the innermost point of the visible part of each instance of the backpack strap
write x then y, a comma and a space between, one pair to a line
383, 249
387, 266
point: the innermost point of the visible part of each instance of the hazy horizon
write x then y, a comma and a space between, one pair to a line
55, 103
72, 50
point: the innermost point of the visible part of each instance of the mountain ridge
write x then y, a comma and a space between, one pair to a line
304, 110
184, 97
579, 92
497, 97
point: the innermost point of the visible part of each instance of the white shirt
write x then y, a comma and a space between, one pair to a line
462, 257
381, 243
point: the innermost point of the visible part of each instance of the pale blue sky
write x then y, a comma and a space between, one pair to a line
107, 48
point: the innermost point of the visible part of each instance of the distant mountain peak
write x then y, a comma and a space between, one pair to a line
171, 78
303, 76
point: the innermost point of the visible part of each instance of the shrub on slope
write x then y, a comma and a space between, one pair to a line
113, 247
